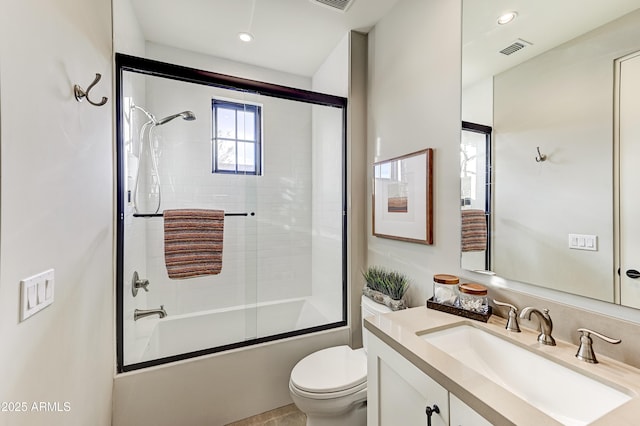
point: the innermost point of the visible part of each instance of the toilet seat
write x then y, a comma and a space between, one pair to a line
352, 392
330, 373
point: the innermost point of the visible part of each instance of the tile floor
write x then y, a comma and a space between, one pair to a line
288, 415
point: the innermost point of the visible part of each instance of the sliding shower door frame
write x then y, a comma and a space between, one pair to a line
124, 63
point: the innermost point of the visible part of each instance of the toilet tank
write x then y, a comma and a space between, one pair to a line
367, 308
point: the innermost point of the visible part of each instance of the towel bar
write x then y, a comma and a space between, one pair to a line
160, 214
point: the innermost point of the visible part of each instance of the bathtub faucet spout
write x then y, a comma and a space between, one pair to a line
141, 313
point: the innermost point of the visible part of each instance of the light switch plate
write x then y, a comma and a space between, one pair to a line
36, 293
583, 242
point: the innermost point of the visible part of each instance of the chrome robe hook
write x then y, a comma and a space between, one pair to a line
540, 157
80, 93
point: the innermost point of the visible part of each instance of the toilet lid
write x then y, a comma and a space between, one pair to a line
330, 370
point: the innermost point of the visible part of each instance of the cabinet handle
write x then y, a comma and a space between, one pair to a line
430, 411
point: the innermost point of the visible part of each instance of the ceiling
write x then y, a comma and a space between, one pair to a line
294, 36
544, 23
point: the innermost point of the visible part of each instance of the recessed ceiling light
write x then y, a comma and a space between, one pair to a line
246, 37
507, 17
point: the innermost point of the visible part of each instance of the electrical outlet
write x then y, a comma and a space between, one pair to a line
36, 293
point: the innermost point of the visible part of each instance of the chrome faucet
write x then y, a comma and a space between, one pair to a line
141, 313
585, 351
546, 325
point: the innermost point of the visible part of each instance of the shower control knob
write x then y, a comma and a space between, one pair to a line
142, 284
137, 283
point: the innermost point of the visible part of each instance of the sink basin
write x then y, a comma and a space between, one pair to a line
562, 393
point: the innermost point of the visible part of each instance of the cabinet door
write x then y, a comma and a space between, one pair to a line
398, 392
463, 415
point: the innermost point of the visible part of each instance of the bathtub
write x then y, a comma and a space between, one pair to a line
226, 386
180, 334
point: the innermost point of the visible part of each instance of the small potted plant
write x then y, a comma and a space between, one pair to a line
386, 287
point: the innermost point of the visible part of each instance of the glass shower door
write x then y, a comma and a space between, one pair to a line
272, 160
167, 166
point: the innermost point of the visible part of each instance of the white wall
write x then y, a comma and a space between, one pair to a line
565, 108
57, 209
477, 102
172, 55
127, 33
414, 103
331, 77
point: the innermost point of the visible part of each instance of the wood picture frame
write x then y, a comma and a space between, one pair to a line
402, 199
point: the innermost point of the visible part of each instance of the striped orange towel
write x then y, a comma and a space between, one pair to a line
193, 242
474, 230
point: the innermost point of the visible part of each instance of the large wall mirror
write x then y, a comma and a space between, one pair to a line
557, 92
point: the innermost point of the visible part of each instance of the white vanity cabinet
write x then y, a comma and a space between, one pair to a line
398, 393
460, 414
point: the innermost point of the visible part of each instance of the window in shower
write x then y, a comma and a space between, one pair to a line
237, 131
283, 244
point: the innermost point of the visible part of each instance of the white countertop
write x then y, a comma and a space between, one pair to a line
401, 330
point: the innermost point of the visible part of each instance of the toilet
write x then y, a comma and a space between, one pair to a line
330, 385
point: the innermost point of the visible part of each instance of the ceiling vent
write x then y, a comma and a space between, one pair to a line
517, 45
338, 5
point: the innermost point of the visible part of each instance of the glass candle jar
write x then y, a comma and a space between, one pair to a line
473, 297
445, 289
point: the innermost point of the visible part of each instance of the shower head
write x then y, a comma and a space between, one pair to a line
186, 115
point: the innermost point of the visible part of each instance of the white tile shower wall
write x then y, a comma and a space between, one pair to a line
274, 246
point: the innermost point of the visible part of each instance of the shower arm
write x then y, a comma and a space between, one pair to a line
150, 116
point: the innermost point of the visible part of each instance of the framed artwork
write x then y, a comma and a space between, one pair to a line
403, 198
